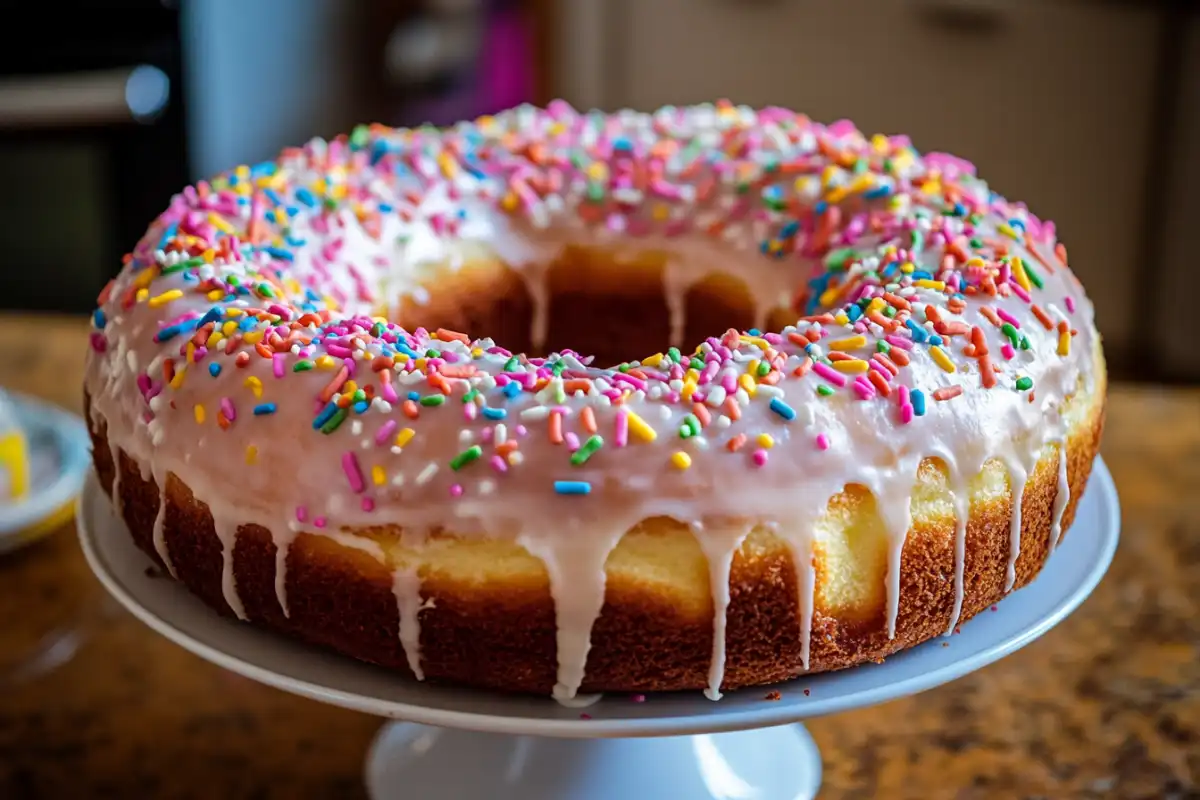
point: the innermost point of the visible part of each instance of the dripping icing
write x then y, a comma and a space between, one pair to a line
406, 586
720, 541
1061, 497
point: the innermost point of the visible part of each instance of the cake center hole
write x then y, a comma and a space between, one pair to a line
616, 310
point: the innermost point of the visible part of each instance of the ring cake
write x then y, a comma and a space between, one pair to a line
803, 397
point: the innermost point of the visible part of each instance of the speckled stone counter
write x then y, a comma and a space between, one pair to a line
1105, 705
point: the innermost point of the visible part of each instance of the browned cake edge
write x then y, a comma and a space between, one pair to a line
503, 636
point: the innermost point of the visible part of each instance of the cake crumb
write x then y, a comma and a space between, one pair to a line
774, 696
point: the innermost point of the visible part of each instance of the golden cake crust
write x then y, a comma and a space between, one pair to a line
502, 634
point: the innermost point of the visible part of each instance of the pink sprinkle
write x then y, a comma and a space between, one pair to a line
301, 513
1070, 301
368, 504
227, 409
389, 393
1007, 317
863, 388
385, 431
622, 433
277, 365
822, 441
319, 522
498, 463
1008, 351
98, 342
829, 374
353, 471
572, 441
456, 490
143, 383
522, 430
906, 413
1019, 291
759, 457
199, 355
338, 351
470, 411
899, 341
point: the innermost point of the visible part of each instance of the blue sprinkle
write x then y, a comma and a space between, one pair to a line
247, 323
274, 196
789, 230
326, 414
98, 319
854, 312
783, 409
414, 396
934, 339
754, 332
306, 197
214, 314
918, 333
280, 253
572, 487
263, 409
214, 369
511, 389
361, 407
920, 274
495, 413
918, 402
877, 192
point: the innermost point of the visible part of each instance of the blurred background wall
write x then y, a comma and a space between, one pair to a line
1087, 109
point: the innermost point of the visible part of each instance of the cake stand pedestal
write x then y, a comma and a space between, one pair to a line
461, 743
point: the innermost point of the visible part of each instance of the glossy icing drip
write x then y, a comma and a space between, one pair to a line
160, 542
406, 585
239, 335
1062, 496
720, 541
1017, 478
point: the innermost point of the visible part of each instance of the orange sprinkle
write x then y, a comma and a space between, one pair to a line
978, 342
798, 339
1042, 317
735, 444
410, 409
555, 423
588, 418
242, 359
331, 388
931, 314
991, 315
452, 336
836, 356
952, 328
948, 392
438, 382
1029, 245
732, 409
886, 363
879, 383
899, 356
803, 369
897, 301
577, 385
509, 446
263, 350
702, 414
956, 305
986, 373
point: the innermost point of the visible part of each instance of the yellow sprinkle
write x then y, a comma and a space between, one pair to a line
689, 388
219, 222
941, 359
1064, 343
234, 312
253, 337
849, 343
836, 194
199, 412
1008, 231
476, 352
325, 362
907, 268
681, 460
251, 454
757, 341
254, 385
974, 262
242, 171
404, 437
143, 278
853, 366
177, 380
925, 283
378, 476
447, 164
349, 387
876, 304
765, 441
862, 183
747, 383
841, 319
229, 328
164, 298
830, 295
827, 176
510, 202
653, 361
215, 294
879, 143
639, 428
214, 339
1018, 270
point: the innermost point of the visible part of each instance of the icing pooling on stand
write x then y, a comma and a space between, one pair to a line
939, 320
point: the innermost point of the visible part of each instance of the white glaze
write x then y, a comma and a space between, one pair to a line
406, 586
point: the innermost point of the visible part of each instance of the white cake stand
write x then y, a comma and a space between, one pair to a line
458, 743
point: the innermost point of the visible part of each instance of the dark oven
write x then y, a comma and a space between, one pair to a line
92, 144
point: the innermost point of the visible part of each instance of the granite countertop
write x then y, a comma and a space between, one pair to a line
1105, 705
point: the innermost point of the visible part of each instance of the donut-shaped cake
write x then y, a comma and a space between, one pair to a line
557, 402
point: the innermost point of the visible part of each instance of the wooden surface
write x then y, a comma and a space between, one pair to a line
1106, 705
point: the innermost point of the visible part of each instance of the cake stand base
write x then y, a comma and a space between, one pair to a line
779, 763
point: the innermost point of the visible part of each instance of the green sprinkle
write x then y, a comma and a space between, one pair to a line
690, 427
824, 390
674, 354
511, 364
1023, 344
466, 457
581, 455
433, 399
882, 347
1034, 278
918, 242
431, 353
333, 422
303, 366
1008, 330
838, 259
359, 137
1024, 383
763, 369
470, 395
359, 395
265, 290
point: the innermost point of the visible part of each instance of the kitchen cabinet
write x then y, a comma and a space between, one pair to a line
1054, 101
